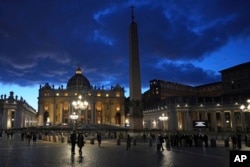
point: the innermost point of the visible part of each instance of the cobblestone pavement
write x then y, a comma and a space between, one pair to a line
16, 153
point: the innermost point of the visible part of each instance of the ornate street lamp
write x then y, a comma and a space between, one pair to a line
246, 108
163, 118
79, 105
74, 117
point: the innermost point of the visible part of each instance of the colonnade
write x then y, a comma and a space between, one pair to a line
219, 119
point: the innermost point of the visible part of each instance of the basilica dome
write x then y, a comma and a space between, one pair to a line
78, 81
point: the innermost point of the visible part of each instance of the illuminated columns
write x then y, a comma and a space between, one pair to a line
214, 121
187, 121
4, 119
223, 120
242, 117
232, 120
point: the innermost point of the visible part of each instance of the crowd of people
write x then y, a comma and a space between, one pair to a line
197, 140
25, 136
170, 140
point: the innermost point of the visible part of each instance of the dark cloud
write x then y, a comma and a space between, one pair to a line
44, 41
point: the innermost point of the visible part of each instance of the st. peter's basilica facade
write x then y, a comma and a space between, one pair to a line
90, 104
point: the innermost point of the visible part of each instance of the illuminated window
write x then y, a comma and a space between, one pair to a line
117, 94
57, 94
98, 94
107, 95
89, 94
66, 94
75, 94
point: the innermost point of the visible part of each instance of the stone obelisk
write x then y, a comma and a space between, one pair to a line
135, 105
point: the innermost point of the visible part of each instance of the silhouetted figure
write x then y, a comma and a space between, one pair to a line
234, 140
73, 142
205, 138
80, 142
29, 137
128, 142
158, 143
22, 136
99, 139
144, 137
161, 142
34, 138
239, 141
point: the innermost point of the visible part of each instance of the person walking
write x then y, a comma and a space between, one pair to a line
234, 140
34, 138
73, 142
80, 142
29, 136
128, 142
99, 139
161, 142
158, 143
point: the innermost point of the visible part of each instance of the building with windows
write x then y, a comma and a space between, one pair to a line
16, 113
219, 103
91, 105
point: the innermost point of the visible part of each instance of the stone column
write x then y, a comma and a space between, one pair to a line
242, 120
232, 121
52, 113
214, 121
223, 120
86, 115
173, 124
4, 118
93, 114
103, 115
198, 115
187, 121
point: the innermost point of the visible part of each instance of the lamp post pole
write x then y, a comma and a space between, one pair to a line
79, 105
74, 117
164, 119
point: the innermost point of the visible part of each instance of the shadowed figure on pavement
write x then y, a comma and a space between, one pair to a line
73, 142
80, 142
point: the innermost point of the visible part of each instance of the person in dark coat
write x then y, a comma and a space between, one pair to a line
80, 142
234, 140
128, 142
99, 139
238, 141
73, 142
34, 138
205, 138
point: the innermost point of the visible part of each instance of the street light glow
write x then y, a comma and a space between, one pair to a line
163, 117
246, 107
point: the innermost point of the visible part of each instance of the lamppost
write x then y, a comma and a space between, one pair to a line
74, 117
79, 105
164, 119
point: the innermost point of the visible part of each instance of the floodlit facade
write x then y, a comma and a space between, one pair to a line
16, 113
80, 101
174, 107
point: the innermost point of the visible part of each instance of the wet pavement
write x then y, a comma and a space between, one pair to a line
17, 153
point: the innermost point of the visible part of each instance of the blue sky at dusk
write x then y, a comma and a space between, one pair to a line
184, 41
